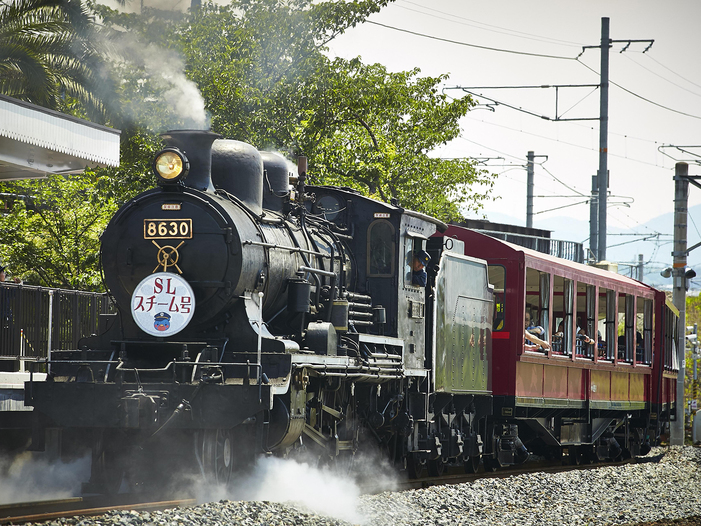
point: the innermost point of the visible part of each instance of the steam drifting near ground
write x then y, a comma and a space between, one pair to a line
30, 476
322, 490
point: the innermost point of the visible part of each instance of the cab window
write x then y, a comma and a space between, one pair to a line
381, 248
412, 245
497, 277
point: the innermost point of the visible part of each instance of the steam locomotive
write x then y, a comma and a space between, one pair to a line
259, 317
257, 314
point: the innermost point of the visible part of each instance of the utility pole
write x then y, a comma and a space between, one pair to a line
640, 268
594, 219
695, 344
602, 174
529, 189
530, 157
681, 198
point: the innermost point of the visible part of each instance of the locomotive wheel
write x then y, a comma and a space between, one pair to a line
436, 467
575, 455
217, 455
471, 464
107, 468
414, 467
490, 464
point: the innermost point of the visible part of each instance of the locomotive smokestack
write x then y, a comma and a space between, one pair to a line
197, 147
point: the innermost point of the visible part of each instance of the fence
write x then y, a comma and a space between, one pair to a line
570, 250
34, 319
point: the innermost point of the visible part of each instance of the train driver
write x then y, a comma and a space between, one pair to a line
418, 268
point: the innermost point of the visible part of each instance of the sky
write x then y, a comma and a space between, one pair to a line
654, 103
667, 75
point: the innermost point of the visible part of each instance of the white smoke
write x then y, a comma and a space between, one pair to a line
162, 97
322, 490
30, 476
180, 95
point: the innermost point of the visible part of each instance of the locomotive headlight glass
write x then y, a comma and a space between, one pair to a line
170, 166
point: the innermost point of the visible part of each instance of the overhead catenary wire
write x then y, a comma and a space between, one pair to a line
671, 71
487, 27
467, 44
630, 92
663, 77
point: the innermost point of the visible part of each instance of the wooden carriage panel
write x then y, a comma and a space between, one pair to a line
600, 385
637, 388
669, 389
620, 384
576, 387
529, 380
554, 382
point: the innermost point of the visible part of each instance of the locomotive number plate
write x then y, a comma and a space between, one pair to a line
167, 228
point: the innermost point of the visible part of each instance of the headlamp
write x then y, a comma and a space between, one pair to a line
170, 166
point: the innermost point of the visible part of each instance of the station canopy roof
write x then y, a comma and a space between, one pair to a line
36, 141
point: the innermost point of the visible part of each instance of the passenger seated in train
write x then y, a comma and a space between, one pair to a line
582, 338
533, 342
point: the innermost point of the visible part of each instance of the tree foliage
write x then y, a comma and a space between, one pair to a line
261, 68
52, 54
256, 70
51, 235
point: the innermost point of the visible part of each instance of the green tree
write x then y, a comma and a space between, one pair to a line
383, 130
267, 81
693, 316
51, 235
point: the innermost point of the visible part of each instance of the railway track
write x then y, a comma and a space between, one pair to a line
456, 476
39, 511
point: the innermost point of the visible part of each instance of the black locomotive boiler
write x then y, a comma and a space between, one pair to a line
259, 315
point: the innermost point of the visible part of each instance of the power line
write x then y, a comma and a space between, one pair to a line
563, 142
661, 76
468, 44
564, 184
490, 27
672, 71
641, 97
488, 148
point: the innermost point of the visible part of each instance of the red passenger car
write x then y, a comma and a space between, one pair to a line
603, 380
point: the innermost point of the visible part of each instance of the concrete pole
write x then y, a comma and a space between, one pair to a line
694, 387
603, 136
681, 198
641, 267
594, 218
529, 189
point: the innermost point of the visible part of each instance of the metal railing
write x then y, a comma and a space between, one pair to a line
36, 319
569, 250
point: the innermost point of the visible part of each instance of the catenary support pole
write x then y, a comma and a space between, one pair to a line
681, 198
594, 219
641, 267
529, 189
603, 136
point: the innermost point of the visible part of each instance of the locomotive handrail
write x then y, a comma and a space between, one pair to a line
285, 247
137, 369
317, 271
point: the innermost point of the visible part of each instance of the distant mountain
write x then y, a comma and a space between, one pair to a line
624, 248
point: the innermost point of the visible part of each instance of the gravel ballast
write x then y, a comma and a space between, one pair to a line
667, 487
